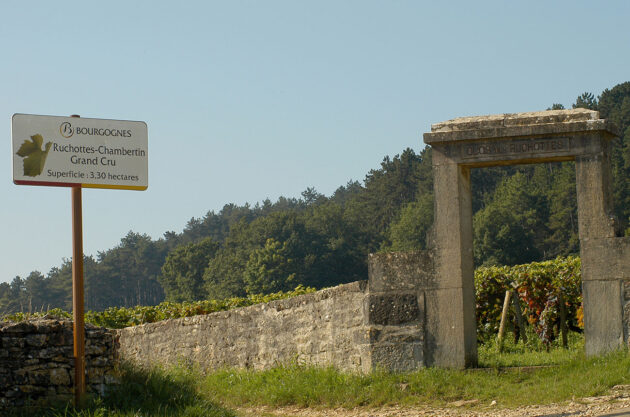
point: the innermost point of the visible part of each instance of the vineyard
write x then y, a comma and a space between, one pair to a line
119, 317
542, 288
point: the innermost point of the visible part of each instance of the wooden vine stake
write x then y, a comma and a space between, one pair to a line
519, 318
504, 316
563, 321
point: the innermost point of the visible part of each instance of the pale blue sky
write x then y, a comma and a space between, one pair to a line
246, 100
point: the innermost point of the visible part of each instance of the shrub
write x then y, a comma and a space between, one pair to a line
119, 317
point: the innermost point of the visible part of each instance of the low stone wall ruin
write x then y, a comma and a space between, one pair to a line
37, 364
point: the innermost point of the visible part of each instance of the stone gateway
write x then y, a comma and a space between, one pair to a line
462, 144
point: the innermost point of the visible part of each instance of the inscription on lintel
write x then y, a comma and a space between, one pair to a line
518, 147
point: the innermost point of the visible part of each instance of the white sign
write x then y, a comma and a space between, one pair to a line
75, 151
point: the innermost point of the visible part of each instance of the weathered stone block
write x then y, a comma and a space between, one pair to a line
36, 340
21, 327
396, 334
397, 357
603, 316
400, 271
59, 376
39, 377
594, 196
392, 308
605, 259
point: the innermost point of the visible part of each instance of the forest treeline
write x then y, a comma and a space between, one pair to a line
521, 214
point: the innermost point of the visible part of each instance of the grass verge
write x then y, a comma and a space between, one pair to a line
316, 387
142, 393
184, 392
568, 375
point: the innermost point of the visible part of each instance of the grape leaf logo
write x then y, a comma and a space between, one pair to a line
33, 154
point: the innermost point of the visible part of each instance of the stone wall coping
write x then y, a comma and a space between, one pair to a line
285, 304
45, 324
542, 123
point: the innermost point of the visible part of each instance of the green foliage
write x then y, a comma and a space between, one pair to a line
586, 101
409, 232
270, 268
539, 286
182, 272
507, 228
562, 239
614, 104
124, 317
119, 317
21, 316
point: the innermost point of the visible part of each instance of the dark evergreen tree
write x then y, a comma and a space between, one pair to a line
182, 272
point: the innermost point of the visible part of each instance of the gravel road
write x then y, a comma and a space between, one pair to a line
616, 404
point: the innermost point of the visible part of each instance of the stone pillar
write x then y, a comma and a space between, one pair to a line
601, 292
452, 329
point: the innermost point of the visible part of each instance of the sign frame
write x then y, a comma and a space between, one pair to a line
63, 151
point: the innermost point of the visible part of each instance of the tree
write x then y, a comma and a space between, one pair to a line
182, 272
129, 272
614, 104
562, 239
272, 269
36, 293
311, 196
586, 101
409, 232
506, 230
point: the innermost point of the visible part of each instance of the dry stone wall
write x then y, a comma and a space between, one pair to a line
37, 364
350, 327
326, 327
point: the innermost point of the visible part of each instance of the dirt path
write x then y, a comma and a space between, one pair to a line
616, 404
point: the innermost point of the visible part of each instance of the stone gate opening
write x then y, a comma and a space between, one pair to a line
462, 144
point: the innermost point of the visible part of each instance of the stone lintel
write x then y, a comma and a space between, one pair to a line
531, 124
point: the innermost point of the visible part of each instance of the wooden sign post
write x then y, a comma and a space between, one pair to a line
77, 296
